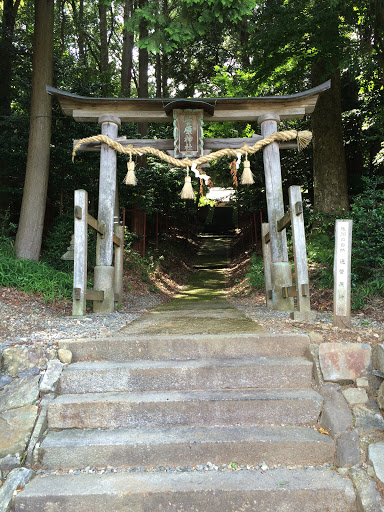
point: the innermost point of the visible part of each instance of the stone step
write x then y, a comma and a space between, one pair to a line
273, 491
177, 408
101, 377
182, 347
183, 446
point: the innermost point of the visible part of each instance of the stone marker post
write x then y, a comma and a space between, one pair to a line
280, 267
80, 253
104, 271
342, 274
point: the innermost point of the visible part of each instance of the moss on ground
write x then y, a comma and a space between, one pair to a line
201, 307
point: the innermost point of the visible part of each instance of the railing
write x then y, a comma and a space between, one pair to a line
294, 217
82, 220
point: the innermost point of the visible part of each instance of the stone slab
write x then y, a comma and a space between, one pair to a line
177, 408
303, 316
100, 377
272, 491
378, 357
194, 313
380, 396
368, 417
348, 449
312, 353
16, 479
344, 361
40, 427
376, 456
355, 396
124, 348
16, 426
362, 382
10, 462
4, 380
185, 446
19, 393
367, 493
51, 377
336, 416
20, 358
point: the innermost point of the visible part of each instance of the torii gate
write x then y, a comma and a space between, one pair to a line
268, 111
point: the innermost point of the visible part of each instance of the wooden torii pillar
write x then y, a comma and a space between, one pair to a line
267, 111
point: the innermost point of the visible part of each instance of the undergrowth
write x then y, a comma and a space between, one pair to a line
33, 276
367, 274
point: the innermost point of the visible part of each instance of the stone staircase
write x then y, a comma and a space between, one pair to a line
191, 408
143, 401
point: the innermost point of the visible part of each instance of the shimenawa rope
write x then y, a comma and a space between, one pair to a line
303, 139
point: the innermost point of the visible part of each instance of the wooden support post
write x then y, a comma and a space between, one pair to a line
300, 255
119, 264
267, 264
107, 194
80, 253
280, 268
342, 274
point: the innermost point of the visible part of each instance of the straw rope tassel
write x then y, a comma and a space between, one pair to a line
187, 192
130, 178
247, 176
303, 139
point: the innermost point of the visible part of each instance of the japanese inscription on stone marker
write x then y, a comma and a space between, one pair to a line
342, 271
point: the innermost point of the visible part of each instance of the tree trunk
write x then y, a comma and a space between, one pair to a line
126, 64
10, 9
244, 57
30, 231
143, 69
158, 75
104, 64
80, 29
329, 165
164, 58
164, 75
78, 17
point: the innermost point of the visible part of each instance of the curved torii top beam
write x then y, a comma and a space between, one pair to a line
84, 109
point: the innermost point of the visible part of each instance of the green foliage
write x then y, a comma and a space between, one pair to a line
368, 232
367, 276
255, 274
57, 241
32, 276
320, 253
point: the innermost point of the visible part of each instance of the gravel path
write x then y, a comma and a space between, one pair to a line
363, 330
26, 320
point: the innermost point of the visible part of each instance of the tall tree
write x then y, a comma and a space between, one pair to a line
329, 165
10, 9
127, 56
307, 44
143, 66
104, 61
30, 230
